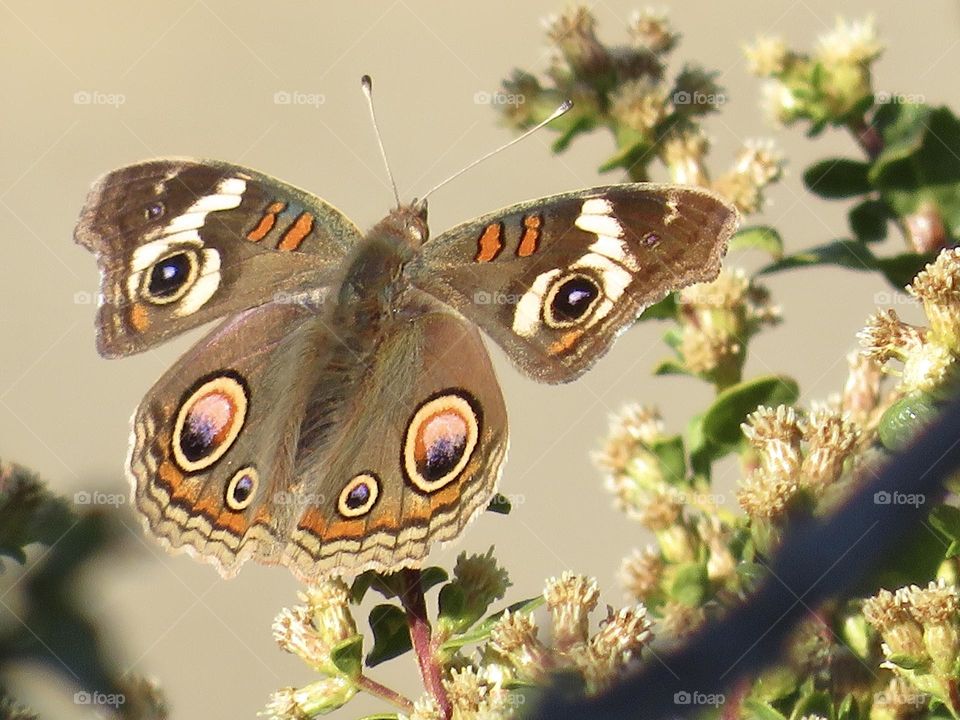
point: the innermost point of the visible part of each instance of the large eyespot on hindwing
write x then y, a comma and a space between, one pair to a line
242, 488
359, 495
440, 439
209, 420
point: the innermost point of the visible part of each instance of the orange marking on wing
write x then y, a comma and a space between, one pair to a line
297, 232
530, 239
490, 242
565, 342
312, 521
267, 222
139, 317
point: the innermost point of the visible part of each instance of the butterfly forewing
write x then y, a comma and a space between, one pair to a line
180, 242
554, 280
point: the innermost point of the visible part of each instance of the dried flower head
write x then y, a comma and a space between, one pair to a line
317, 698
767, 56
938, 287
776, 433
861, 393
705, 350
514, 636
641, 572
885, 336
650, 28
757, 165
641, 104
484, 577
426, 708
890, 613
573, 35
570, 599
831, 438
680, 620
765, 496
850, 43
621, 636
684, 153
476, 693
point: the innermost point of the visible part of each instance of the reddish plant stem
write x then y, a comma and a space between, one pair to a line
954, 698
421, 636
733, 704
867, 137
372, 687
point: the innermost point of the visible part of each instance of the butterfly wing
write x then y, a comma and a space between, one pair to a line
553, 281
409, 457
213, 441
182, 242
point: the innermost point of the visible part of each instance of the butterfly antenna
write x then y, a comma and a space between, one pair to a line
566, 105
367, 84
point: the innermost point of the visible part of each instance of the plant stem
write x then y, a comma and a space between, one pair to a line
372, 687
421, 636
867, 137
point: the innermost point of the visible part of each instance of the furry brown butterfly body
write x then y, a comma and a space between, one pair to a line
346, 416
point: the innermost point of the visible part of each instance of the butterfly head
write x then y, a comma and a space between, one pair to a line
408, 222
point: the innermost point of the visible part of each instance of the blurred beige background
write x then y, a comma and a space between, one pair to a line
198, 77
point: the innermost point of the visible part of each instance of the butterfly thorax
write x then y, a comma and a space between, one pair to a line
373, 279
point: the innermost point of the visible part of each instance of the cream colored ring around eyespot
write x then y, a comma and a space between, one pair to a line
232, 485
461, 406
229, 387
373, 485
552, 293
182, 290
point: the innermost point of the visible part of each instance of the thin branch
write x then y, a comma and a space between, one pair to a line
372, 687
421, 635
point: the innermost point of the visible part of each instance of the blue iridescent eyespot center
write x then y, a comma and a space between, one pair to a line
358, 496
168, 275
153, 210
243, 488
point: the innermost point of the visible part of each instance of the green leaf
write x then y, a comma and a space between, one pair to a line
391, 635
348, 656
702, 453
815, 702
666, 309
690, 584
848, 710
868, 220
907, 662
756, 710
721, 421
499, 504
837, 178
432, 576
845, 253
759, 237
670, 367
453, 606
946, 519
776, 683
481, 631
901, 269
921, 165
632, 149
673, 460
